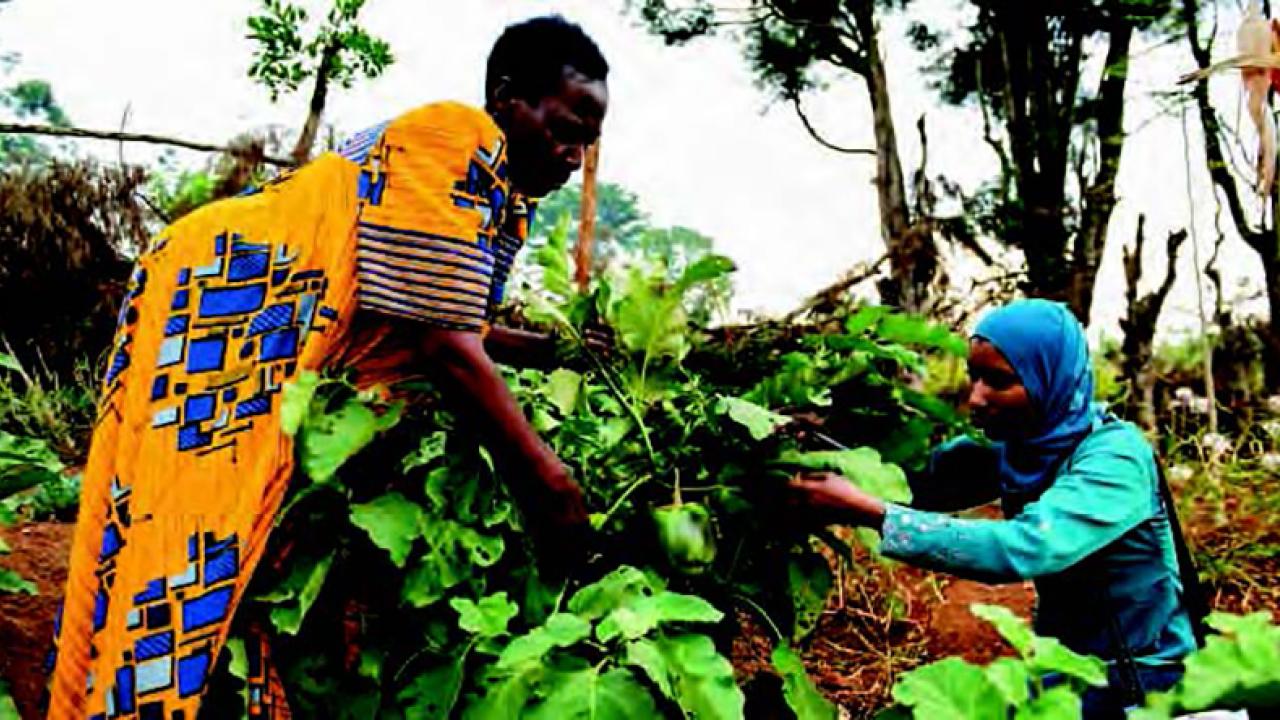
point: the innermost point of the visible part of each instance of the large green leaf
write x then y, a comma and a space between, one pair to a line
916, 330
1013, 679
588, 694
12, 582
802, 695
1238, 668
706, 269
1043, 655
1049, 655
1059, 703
296, 403
643, 615
687, 669
330, 439
1012, 628
862, 466
810, 582
560, 630
430, 448
301, 588
617, 589
563, 387
393, 523
26, 463
8, 710
760, 422
950, 688
488, 618
432, 694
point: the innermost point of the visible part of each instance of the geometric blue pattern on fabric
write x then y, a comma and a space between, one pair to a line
170, 351
279, 345
191, 673
124, 690
193, 547
357, 147
184, 276
221, 302
248, 266
222, 566
155, 675
213, 269
206, 609
160, 387
214, 546
206, 354
153, 646
272, 318
250, 407
254, 311
328, 313
111, 542
181, 299
158, 616
198, 408
191, 437
153, 591
165, 417
119, 362
100, 603
240, 246
176, 325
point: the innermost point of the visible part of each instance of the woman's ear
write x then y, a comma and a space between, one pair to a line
500, 96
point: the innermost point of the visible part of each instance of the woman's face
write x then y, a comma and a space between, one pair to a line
998, 401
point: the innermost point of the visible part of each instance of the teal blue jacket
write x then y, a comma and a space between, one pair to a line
1097, 542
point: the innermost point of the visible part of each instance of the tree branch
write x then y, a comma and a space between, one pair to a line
813, 132
85, 134
854, 277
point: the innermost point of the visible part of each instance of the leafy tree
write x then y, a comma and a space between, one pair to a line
791, 47
1059, 143
338, 51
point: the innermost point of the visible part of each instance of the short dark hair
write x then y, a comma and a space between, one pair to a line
533, 54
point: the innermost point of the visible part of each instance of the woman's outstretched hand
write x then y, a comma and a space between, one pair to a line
833, 500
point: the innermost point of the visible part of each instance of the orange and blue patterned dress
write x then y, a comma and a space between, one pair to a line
188, 465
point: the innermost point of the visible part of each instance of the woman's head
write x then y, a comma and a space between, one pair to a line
1030, 371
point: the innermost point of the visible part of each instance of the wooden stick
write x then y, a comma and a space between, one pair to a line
1250, 62
587, 223
82, 133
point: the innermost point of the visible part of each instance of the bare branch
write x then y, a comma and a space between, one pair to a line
82, 133
853, 278
795, 102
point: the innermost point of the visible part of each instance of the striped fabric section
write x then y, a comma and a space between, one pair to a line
357, 147
422, 276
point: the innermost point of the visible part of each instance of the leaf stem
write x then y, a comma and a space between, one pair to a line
764, 615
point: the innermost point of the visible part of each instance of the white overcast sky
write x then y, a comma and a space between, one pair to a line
687, 130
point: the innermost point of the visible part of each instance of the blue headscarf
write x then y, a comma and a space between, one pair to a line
1047, 347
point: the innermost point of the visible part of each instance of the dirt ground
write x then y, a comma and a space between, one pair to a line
854, 655
26, 622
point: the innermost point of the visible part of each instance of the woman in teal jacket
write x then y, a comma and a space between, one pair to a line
1079, 490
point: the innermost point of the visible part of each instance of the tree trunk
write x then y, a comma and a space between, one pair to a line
587, 221
1139, 325
319, 96
906, 289
1100, 196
